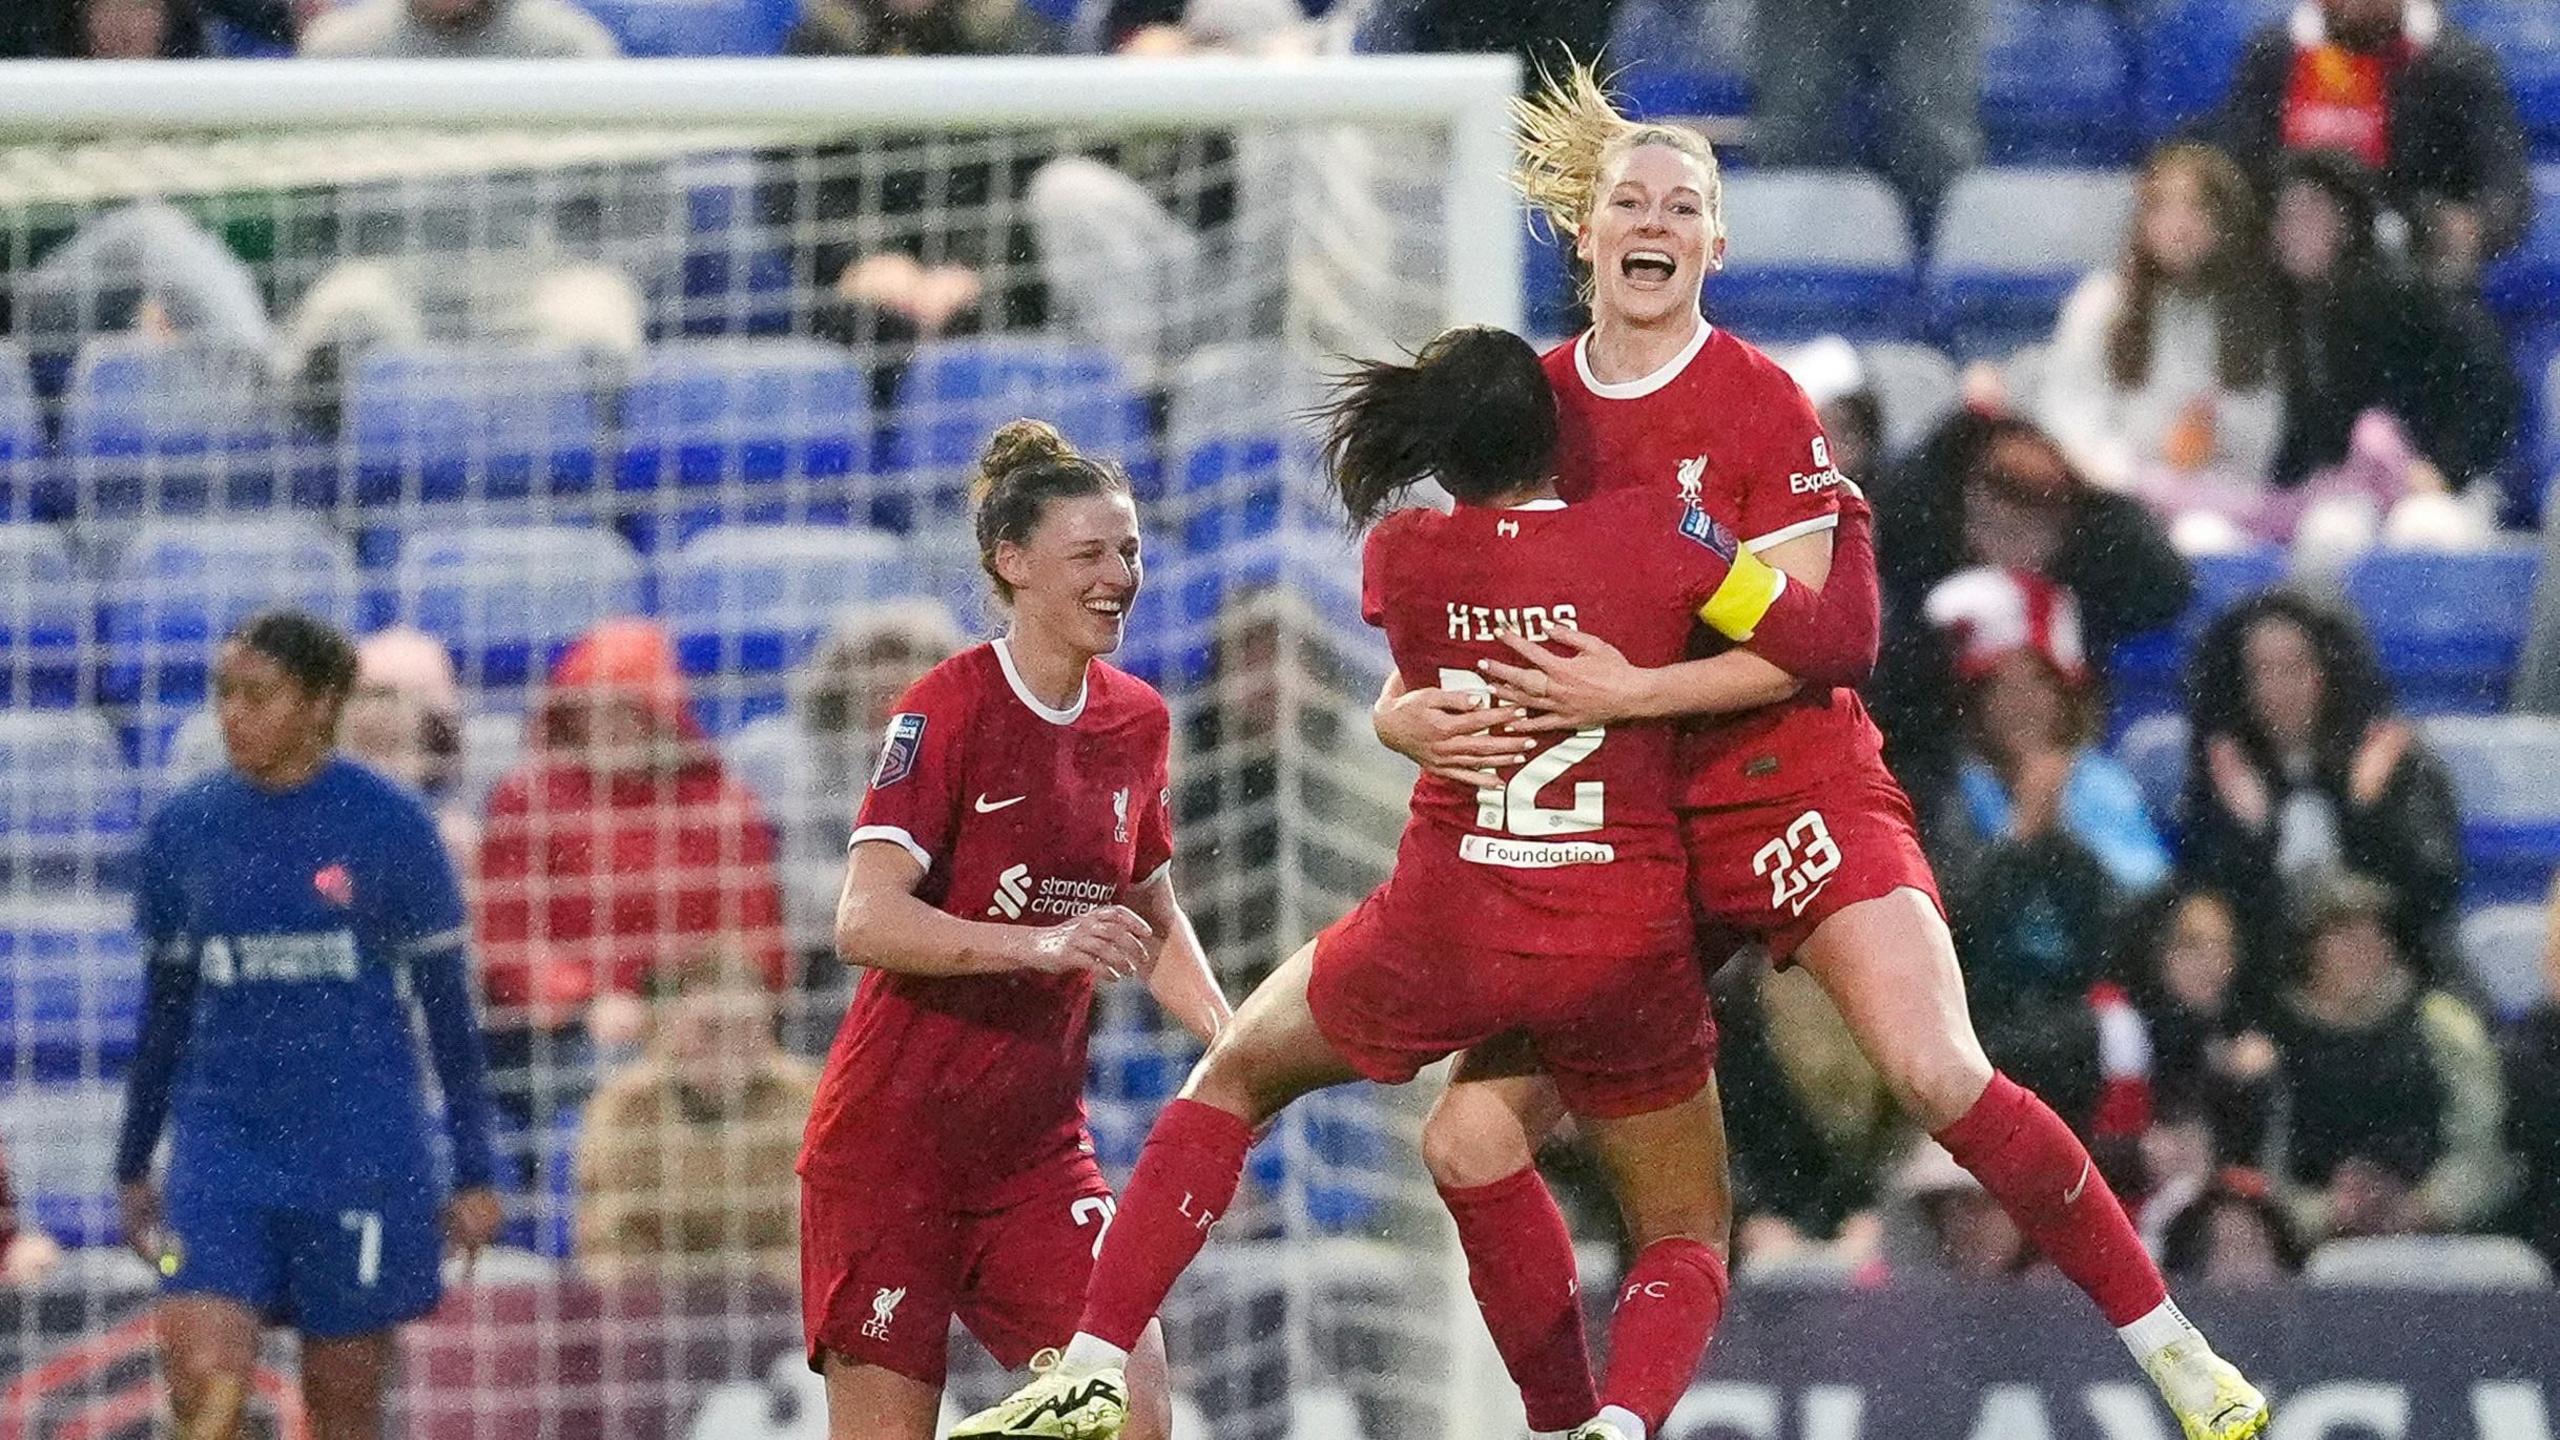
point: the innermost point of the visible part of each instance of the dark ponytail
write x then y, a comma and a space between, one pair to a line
1026, 465
1473, 411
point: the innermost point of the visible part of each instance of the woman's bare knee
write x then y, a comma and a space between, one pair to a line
1472, 1138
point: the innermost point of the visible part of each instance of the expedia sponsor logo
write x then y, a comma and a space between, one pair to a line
1018, 894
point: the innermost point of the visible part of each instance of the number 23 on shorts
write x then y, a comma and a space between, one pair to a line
1797, 863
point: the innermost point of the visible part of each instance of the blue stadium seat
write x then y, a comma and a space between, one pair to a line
177, 587
2506, 777
508, 600
732, 281
1815, 252
1330, 1154
61, 1144
774, 428
44, 617
654, 28
69, 807
955, 393
2448, 626
2012, 243
2188, 52
746, 604
439, 423
2502, 950
21, 434
2526, 36
2056, 84
70, 987
2523, 287
2147, 673
153, 429
1680, 58
1239, 448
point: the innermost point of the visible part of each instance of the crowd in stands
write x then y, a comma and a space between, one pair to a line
2249, 987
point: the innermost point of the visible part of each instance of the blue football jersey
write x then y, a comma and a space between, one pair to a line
300, 923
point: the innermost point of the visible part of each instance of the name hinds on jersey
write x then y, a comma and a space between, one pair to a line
1487, 623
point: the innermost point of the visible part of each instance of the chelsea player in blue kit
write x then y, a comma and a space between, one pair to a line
290, 908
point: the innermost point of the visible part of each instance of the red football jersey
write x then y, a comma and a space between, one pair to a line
1720, 426
1021, 815
1578, 854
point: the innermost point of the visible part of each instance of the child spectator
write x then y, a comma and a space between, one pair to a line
2395, 1108
685, 1157
2207, 1062
2162, 372
405, 720
2233, 1236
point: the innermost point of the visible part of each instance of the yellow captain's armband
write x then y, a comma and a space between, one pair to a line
1745, 596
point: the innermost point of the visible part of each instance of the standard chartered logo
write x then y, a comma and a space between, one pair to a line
1013, 893
1017, 895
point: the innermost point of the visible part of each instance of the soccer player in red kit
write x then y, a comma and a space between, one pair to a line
1013, 848
1546, 910
1797, 836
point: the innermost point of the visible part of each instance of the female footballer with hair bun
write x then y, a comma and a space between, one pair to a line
1013, 850
1797, 837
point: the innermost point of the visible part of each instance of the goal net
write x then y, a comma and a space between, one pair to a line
487, 362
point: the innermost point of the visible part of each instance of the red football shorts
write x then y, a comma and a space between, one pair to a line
1620, 1036
1773, 872
884, 1269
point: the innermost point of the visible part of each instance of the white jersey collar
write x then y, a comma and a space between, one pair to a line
1031, 702
1642, 385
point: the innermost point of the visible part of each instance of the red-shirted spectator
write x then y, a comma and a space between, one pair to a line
618, 840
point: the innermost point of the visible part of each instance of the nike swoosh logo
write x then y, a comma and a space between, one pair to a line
1806, 898
2072, 1196
987, 808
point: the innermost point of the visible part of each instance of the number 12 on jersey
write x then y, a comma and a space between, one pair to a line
1513, 808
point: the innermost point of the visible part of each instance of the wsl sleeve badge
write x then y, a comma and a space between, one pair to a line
898, 750
1702, 527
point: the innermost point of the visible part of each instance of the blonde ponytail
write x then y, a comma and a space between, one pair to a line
1570, 131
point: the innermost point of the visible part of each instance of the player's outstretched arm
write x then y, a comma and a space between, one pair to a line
1449, 733
881, 924
1180, 977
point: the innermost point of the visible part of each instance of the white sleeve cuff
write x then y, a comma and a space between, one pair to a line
1802, 527
893, 835
1159, 873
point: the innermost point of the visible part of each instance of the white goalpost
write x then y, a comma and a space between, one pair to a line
499, 351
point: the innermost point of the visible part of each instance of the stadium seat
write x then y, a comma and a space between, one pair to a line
1915, 385
760, 430
193, 750
2502, 948
21, 435
747, 603
44, 617
2428, 1262
68, 804
492, 742
436, 423
2056, 84
1814, 252
660, 28
730, 279
955, 393
2448, 625
2506, 780
1238, 443
163, 428
2523, 286
2525, 34
2147, 673
2187, 53
60, 1140
507, 601
176, 588
2012, 243
1681, 58
70, 987
2154, 749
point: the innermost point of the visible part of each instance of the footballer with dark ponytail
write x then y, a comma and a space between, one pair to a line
1472, 410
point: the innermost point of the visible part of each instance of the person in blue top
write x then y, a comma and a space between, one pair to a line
291, 908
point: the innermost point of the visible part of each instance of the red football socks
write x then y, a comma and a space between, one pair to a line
1668, 1310
1520, 1264
1185, 1179
2042, 1175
